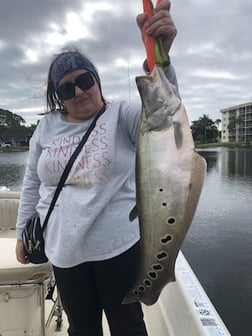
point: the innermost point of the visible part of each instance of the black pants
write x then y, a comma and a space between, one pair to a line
88, 289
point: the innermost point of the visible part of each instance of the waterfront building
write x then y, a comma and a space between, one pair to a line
236, 123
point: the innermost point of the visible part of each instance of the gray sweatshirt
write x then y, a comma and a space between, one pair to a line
90, 220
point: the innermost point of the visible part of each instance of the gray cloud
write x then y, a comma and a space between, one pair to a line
212, 52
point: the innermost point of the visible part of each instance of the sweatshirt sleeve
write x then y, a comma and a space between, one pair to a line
171, 76
31, 184
130, 120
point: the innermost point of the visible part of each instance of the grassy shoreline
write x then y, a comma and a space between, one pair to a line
225, 144
208, 145
14, 149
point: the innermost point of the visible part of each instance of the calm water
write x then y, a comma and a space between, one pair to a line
12, 167
219, 243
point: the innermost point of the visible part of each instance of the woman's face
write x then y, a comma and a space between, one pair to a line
85, 104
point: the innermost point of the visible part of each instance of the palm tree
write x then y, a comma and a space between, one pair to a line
204, 129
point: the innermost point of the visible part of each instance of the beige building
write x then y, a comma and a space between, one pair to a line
236, 123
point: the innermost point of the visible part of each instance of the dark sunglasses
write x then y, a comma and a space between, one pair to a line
67, 90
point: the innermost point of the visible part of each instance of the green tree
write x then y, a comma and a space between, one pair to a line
9, 119
204, 130
12, 128
217, 123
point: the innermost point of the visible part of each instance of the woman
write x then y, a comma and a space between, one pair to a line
92, 245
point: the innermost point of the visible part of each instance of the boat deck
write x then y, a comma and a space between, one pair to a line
183, 308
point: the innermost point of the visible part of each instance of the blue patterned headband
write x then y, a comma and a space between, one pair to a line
69, 61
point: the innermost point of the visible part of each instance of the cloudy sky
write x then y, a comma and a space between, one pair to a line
212, 53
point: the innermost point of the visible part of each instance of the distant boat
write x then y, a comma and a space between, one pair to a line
29, 306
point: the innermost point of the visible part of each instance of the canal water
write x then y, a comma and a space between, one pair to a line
218, 245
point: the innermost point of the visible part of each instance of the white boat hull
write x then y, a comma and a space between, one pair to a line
183, 308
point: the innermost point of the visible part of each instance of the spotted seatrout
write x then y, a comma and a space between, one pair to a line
169, 179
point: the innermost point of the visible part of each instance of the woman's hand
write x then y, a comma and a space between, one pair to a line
160, 24
20, 253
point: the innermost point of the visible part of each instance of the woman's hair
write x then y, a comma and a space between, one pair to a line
80, 62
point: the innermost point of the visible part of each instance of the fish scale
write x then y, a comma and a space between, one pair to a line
169, 180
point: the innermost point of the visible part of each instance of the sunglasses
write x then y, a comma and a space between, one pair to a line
67, 90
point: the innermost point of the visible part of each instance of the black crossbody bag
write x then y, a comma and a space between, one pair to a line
32, 236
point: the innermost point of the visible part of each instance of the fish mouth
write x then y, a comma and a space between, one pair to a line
156, 78
159, 99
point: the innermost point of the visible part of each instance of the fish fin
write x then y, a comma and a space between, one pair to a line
128, 299
133, 214
178, 136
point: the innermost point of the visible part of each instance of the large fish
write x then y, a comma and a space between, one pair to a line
169, 179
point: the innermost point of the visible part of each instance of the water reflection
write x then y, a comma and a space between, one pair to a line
219, 242
236, 162
211, 157
230, 162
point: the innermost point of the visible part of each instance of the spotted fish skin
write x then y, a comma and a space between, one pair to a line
169, 180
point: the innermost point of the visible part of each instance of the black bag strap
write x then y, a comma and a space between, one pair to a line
69, 166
